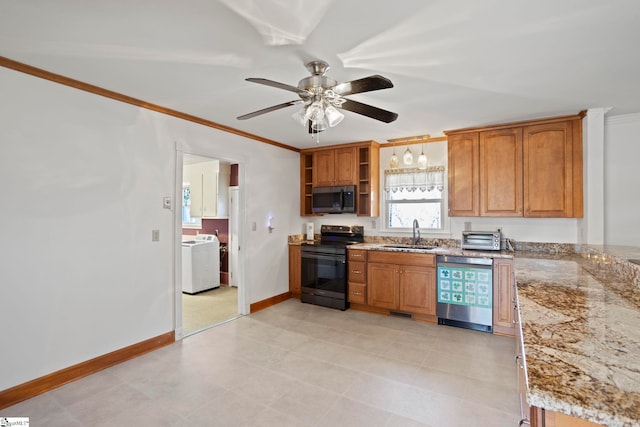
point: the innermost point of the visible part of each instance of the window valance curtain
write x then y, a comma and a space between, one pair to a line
412, 179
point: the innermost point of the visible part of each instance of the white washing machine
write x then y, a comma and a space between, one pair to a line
200, 263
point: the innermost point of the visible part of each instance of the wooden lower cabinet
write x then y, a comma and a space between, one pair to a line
383, 288
357, 276
402, 281
545, 418
504, 300
295, 271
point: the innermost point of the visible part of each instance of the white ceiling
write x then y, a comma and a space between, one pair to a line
453, 63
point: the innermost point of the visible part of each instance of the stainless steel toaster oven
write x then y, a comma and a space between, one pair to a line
481, 240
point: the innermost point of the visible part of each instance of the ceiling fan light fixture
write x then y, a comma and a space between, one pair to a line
333, 116
299, 116
320, 125
315, 112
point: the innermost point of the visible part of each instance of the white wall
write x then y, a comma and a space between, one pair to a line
82, 180
622, 193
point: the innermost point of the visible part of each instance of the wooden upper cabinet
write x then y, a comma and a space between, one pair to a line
525, 169
334, 167
501, 172
355, 164
553, 170
463, 153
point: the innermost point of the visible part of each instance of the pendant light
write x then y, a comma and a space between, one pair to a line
407, 157
394, 161
422, 160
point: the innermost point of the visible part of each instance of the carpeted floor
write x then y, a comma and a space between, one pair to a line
208, 308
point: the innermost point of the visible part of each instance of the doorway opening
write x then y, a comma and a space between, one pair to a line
208, 295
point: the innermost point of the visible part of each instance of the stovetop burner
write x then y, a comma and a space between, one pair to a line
345, 234
336, 238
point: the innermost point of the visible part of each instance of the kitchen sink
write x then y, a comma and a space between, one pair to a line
399, 246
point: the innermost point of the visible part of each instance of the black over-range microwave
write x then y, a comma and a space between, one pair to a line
334, 199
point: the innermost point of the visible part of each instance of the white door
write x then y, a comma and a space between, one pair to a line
233, 246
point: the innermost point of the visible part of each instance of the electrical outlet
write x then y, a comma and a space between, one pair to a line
166, 202
155, 235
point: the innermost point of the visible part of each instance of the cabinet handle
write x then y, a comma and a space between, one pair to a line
518, 357
356, 271
356, 293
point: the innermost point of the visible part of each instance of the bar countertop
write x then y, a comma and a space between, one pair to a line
580, 318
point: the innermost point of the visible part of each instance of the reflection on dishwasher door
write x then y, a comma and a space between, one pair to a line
464, 289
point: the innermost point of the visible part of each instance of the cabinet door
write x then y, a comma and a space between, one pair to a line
334, 167
195, 185
503, 297
501, 172
418, 289
209, 194
382, 286
295, 270
553, 170
463, 153
323, 168
345, 166
357, 272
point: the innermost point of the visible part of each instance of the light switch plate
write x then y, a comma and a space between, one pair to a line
166, 202
155, 235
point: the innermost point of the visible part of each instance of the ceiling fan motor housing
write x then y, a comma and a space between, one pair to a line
316, 84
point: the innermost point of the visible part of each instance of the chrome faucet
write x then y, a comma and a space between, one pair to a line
416, 232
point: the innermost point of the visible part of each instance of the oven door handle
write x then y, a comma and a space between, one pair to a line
324, 257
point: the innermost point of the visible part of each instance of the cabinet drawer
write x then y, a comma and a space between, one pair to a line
357, 271
406, 258
357, 254
358, 293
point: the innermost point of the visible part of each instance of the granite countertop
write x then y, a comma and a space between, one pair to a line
580, 318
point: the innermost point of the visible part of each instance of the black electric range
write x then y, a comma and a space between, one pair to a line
324, 266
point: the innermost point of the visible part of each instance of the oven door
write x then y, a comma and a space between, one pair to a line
323, 275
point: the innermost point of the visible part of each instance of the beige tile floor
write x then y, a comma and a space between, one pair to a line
295, 364
204, 309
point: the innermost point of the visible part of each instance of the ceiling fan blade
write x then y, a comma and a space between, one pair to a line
303, 93
366, 84
369, 111
269, 109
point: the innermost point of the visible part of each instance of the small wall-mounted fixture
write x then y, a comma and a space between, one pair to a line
270, 226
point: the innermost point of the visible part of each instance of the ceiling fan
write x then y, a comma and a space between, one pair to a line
322, 97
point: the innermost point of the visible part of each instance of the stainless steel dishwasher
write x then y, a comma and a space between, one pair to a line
465, 292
